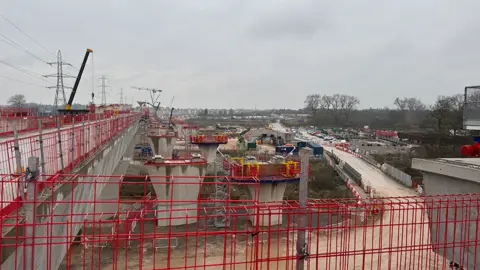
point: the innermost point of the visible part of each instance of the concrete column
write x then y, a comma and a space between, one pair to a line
180, 131
267, 193
163, 145
305, 154
210, 151
30, 212
107, 204
174, 212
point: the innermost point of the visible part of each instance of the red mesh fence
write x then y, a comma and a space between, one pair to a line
31, 123
192, 225
62, 150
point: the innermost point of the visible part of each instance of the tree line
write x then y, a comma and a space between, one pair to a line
409, 113
19, 100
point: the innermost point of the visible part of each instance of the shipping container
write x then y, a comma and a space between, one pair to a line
252, 145
317, 149
301, 144
282, 149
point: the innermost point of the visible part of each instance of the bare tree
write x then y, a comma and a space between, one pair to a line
409, 109
441, 111
336, 106
350, 104
17, 100
456, 115
400, 103
312, 102
343, 101
327, 102
411, 104
414, 104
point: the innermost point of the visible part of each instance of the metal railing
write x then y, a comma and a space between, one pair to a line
386, 233
59, 150
35, 123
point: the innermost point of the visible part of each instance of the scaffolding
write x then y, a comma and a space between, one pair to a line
79, 233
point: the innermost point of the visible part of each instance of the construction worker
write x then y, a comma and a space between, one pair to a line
375, 207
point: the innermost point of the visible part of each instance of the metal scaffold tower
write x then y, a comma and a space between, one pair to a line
60, 98
220, 218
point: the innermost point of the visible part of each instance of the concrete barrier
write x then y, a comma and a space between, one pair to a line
388, 169
357, 177
369, 160
396, 174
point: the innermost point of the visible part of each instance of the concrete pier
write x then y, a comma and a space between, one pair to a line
452, 176
163, 144
180, 132
208, 144
267, 193
210, 151
157, 129
268, 187
163, 173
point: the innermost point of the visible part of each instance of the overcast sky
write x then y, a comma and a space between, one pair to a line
238, 54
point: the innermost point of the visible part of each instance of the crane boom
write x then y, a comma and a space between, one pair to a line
170, 118
77, 81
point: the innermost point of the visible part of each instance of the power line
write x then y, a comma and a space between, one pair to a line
21, 31
19, 81
33, 74
20, 48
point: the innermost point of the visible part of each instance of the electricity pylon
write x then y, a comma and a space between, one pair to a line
60, 98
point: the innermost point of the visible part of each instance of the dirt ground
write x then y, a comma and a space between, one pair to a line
199, 244
231, 145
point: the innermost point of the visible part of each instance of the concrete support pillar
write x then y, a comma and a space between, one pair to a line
107, 202
30, 211
163, 145
210, 151
267, 193
180, 132
180, 199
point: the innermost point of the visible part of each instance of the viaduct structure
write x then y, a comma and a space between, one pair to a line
67, 202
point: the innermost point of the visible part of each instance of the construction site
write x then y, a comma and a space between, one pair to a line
114, 186
62, 207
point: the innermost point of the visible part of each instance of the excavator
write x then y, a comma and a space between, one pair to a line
68, 107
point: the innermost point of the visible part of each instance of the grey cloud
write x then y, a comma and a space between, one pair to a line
300, 20
236, 53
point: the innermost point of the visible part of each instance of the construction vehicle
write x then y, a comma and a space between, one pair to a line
68, 107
